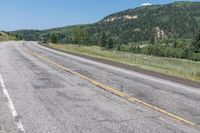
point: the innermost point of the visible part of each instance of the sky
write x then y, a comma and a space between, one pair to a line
45, 14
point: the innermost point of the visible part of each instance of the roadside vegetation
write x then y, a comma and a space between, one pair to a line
162, 38
3, 37
53, 38
172, 48
176, 67
6, 36
176, 57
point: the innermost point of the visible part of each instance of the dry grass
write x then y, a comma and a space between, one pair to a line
3, 37
176, 67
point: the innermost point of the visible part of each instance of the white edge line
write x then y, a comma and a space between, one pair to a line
11, 106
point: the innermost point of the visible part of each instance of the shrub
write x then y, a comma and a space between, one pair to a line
178, 53
195, 57
198, 74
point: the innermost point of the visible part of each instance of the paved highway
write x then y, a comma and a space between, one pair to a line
46, 91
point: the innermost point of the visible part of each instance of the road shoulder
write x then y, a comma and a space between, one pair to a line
183, 81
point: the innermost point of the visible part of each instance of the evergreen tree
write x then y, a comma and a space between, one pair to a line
53, 38
153, 37
110, 43
175, 43
118, 48
85, 37
76, 37
195, 46
104, 40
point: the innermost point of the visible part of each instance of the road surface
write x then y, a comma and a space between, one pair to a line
39, 95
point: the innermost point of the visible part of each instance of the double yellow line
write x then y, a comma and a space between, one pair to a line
112, 90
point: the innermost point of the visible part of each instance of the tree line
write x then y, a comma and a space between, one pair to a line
174, 48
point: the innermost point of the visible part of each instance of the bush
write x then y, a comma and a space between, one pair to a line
124, 48
195, 57
152, 50
159, 50
198, 74
134, 49
178, 53
168, 52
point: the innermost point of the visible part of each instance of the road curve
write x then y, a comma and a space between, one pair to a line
38, 97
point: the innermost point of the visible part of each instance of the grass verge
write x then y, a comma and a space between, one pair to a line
174, 67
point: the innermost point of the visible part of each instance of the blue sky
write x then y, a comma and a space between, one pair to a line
44, 14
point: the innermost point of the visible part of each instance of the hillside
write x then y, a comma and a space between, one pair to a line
3, 37
179, 19
6, 36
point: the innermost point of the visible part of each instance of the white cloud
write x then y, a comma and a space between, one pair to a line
146, 4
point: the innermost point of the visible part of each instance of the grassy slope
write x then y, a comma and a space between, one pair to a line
176, 67
3, 37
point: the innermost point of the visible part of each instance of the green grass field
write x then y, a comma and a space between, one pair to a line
176, 67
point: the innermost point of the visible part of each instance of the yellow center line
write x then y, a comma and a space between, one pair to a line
112, 90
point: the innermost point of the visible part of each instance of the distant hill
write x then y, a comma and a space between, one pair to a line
179, 19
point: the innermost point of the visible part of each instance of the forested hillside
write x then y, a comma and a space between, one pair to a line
170, 30
179, 19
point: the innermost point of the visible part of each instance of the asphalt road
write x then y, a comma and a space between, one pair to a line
38, 97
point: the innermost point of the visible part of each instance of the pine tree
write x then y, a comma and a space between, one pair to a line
53, 38
195, 47
104, 40
110, 43
76, 37
153, 37
175, 43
